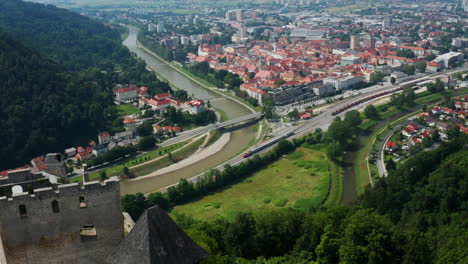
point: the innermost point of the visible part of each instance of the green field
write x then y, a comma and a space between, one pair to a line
300, 179
126, 109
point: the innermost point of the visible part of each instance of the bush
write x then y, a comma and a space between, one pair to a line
281, 202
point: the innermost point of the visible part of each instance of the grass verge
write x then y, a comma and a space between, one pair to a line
177, 156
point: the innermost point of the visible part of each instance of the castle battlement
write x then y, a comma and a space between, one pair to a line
64, 190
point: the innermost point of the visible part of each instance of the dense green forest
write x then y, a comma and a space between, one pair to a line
58, 70
42, 107
74, 41
418, 214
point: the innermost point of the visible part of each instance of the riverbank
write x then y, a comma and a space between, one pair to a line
200, 155
212, 89
239, 139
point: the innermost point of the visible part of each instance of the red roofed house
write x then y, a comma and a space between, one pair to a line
84, 154
416, 50
162, 96
391, 146
408, 131
433, 67
414, 140
416, 127
143, 91
130, 124
306, 116
127, 94
39, 163
104, 138
195, 106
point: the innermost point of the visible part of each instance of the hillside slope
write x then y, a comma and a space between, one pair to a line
66, 37
43, 108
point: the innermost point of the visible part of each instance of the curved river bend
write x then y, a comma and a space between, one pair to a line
239, 138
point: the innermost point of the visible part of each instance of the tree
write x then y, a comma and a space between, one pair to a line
453, 132
169, 156
390, 165
327, 250
406, 53
128, 173
134, 204
280, 82
284, 147
352, 119
268, 109
392, 80
421, 66
408, 69
436, 87
103, 175
335, 151
371, 112
146, 143
367, 239
239, 238
294, 115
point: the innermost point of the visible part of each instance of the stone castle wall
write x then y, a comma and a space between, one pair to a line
34, 231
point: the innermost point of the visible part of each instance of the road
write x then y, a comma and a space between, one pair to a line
380, 162
183, 136
325, 118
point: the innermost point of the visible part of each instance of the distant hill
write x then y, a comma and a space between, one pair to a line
43, 108
66, 37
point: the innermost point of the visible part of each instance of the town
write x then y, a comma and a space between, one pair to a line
262, 131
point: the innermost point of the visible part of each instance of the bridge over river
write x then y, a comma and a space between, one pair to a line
229, 125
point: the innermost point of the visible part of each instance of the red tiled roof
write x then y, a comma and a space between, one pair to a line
128, 120
129, 88
39, 163
4, 173
391, 144
104, 134
409, 129
195, 103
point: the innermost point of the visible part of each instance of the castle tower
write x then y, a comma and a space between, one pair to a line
72, 224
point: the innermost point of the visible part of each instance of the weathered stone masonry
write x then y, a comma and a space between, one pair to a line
44, 227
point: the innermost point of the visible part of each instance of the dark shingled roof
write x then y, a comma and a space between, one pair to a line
156, 239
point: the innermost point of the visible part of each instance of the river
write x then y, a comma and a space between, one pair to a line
239, 139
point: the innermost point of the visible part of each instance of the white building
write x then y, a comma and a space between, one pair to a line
342, 83
184, 40
161, 28
127, 94
448, 58
195, 106
151, 27
350, 60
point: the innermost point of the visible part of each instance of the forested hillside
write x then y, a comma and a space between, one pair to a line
43, 108
58, 70
66, 37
